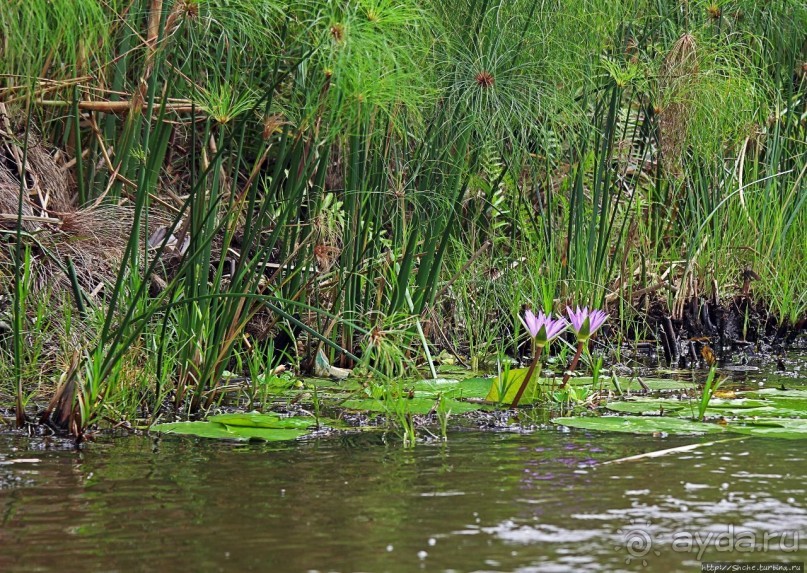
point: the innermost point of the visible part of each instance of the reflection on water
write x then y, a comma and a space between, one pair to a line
541, 501
484, 502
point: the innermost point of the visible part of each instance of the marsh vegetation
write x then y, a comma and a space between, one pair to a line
202, 199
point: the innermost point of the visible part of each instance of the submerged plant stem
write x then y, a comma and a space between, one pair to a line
535, 361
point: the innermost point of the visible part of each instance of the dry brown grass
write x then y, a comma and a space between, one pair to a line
93, 239
679, 70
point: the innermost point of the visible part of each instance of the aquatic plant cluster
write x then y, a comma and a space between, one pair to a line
544, 329
203, 200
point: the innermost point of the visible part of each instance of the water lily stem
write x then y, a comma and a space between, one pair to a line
573, 365
536, 359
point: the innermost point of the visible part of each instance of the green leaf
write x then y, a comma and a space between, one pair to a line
504, 389
647, 406
222, 432
335, 386
772, 428
475, 387
768, 411
777, 394
742, 408
655, 384
640, 425
539, 385
256, 420
771, 403
469, 388
771, 411
269, 380
416, 405
737, 404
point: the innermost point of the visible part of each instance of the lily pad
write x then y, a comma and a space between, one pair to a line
654, 384
788, 403
446, 368
738, 404
776, 393
740, 408
416, 405
256, 420
468, 388
740, 413
647, 406
275, 382
508, 388
640, 425
328, 385
503, 390
222, 432
772, 428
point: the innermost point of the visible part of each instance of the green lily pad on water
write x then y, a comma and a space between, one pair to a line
654, 384
256, 420
737, 404
222, 432
777, 394
326, 385
504, 390
788, 403
640, 425
772, 428
537, 386
468, 388
770, 413
742, 408
647, 406
452, 369
416, 405
772, 410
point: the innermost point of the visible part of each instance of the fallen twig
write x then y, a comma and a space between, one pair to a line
660, 453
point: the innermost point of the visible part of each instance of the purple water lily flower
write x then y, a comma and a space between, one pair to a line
543, 328
586, 322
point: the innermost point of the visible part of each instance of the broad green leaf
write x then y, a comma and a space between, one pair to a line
416, 405
738, 404
647, 406
741, 413
269, 380
742, 408
509, 387
794, 408
776, 393
256, 420
452, 369
640, 425
336, 386
475, 387
468, 388
266, 434
503, 388
787, 403
772, 428
771, 411
222, 432
655, 384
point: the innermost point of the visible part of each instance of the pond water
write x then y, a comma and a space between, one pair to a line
485, 501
